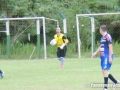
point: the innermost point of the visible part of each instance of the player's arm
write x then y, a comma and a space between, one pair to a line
110, 52
109, 40
95, 53
65, 40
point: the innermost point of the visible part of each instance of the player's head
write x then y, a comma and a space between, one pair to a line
103, 29
58, 30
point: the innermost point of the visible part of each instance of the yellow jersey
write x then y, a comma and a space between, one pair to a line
60, 39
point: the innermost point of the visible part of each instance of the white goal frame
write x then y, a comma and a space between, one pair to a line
92, 28
7, 31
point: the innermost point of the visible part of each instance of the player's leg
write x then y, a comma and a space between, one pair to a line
104, 71
105, 74
60, 58
110, 76
62, 62
63, 54
113, 80
58, 54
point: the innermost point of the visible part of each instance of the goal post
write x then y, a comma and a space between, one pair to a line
64, 23
93, 33
8, 38
38, 36
91, 16
37, 30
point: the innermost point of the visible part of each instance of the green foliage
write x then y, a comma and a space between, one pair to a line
51, 9
21, 50
98, 6
116, 49
3, 48
85, 33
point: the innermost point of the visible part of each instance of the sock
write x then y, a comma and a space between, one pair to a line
62, 61
105, 82
112, 78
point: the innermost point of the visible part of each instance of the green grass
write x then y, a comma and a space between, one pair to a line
78, 74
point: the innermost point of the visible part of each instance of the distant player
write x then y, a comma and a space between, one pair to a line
62, 42
106, 55
1, 74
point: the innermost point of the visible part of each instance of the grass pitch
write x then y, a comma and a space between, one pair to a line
78, 74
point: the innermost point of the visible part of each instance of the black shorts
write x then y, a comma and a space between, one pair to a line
61, 52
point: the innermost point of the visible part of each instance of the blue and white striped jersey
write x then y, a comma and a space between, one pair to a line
104, 42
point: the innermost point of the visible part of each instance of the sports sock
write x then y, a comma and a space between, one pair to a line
112, 78
62, 61
105, 82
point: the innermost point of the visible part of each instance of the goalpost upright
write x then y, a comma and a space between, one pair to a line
45, 53
8, 38
92, 27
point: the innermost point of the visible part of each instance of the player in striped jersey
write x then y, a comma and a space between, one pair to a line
106, 55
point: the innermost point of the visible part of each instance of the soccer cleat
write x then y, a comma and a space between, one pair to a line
61, 66
118, 81
115, 85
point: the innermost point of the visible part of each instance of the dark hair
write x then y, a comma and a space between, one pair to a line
103, 28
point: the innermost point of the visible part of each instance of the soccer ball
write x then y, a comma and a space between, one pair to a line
53, 42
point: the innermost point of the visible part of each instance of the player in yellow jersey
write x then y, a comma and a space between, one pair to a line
62, 42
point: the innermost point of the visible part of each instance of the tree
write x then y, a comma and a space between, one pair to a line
51, 9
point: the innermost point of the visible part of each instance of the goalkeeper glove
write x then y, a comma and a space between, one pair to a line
62, 46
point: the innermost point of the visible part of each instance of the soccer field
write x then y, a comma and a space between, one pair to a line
78, 74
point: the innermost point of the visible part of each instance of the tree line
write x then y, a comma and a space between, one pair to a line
52, 8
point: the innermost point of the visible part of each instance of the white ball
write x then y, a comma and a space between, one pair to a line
53, 42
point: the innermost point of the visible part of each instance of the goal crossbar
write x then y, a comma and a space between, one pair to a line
96, 14
24, 18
